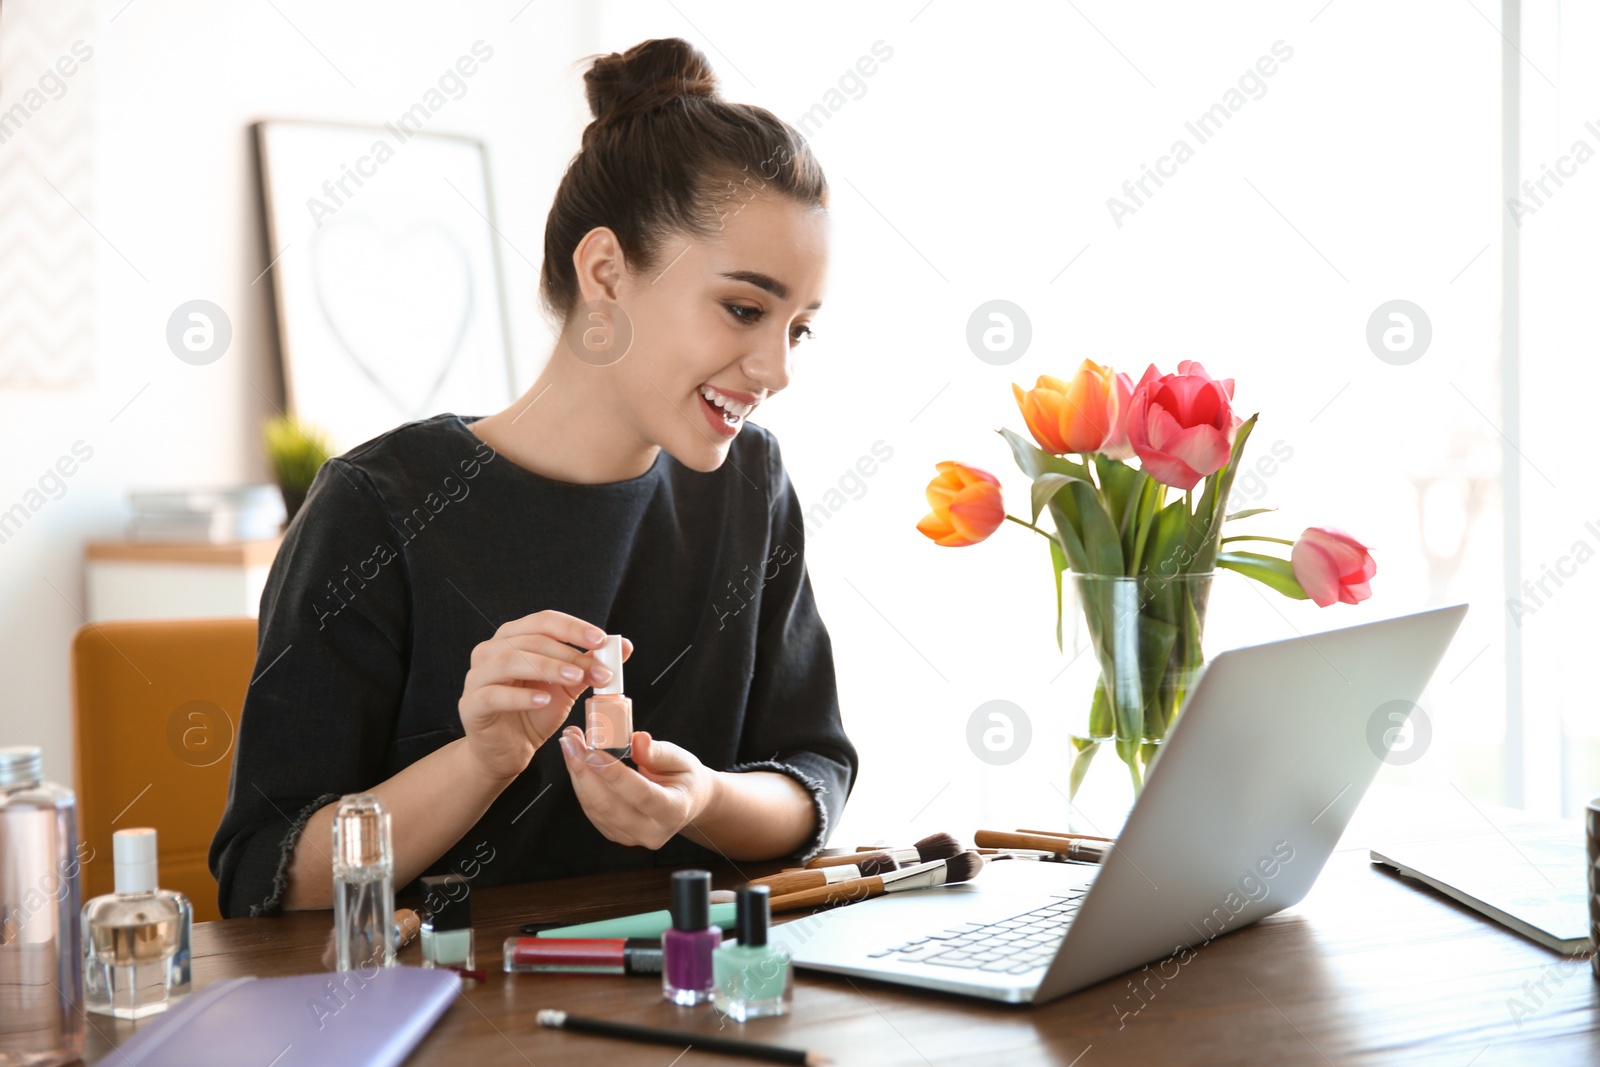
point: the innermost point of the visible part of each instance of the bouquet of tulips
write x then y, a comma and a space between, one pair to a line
1140, 538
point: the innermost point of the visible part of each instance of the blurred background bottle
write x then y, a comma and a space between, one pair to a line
41, 1011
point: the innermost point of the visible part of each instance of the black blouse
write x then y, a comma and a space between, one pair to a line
417, 545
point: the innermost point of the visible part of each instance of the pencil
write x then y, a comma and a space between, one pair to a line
560, 1020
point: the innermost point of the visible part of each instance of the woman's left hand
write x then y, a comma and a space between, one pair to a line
648, 806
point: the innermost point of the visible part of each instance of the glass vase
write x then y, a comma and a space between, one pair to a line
1139, 642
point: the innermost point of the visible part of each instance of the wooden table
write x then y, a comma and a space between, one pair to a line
1368, 969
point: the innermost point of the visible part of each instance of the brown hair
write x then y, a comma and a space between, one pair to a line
663, 155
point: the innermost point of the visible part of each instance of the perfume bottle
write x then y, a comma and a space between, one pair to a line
136, 940
447, 932
363, 884
752, 979
608, 715
41, 951
686, 948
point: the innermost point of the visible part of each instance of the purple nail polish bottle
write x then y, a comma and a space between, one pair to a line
686, 976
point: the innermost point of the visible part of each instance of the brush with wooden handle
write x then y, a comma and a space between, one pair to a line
1089, 850
866, 865
1019, 854
1058, 833
932, 847
962, 867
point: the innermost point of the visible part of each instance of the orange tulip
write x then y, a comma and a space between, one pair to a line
1075, 416
966, 506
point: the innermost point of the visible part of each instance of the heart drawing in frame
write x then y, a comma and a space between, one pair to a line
398, 302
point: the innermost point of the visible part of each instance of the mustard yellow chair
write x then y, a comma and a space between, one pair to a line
156, 707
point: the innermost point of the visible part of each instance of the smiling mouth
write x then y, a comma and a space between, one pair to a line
725, 413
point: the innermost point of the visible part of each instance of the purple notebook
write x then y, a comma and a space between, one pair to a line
347, 1018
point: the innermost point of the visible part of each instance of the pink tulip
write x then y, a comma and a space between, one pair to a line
1182, 425
1332, 567
1117, 446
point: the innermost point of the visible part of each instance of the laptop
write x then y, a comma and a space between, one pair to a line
1259, 776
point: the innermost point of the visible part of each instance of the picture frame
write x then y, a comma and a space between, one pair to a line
385, 275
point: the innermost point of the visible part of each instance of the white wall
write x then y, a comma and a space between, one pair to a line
976, 163
176, 85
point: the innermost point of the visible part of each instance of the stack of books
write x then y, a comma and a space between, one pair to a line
245, 513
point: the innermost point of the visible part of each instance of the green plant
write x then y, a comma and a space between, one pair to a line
296, 452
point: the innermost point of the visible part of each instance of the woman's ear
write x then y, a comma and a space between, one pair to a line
600, 266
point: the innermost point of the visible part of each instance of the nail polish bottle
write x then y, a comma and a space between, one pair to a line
752, 979
608, 715
363, 884
136, 939
447, 932
686, 948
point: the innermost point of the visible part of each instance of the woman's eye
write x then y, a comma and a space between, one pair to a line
752, 315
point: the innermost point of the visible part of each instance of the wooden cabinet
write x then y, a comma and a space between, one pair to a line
176, 580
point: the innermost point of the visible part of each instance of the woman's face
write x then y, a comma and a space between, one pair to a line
715, 326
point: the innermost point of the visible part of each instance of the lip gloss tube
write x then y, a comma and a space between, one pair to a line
608, 715
633, 955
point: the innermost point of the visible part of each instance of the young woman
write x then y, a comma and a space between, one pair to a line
428, 627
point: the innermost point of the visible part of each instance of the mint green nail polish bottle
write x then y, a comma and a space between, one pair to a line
752, 979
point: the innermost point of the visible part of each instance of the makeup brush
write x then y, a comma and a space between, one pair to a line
962, 867
932, 847
1018, 854
1086, 849
866, 865
1060, 833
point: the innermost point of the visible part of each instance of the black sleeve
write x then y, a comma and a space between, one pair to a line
792, 723
330, 670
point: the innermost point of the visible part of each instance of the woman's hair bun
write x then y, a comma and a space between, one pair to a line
650, 75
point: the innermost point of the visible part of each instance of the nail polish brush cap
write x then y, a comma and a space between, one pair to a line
754, 915
449, 900
691, 900
610, 657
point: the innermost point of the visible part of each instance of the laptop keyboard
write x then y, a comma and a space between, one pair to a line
1017, 945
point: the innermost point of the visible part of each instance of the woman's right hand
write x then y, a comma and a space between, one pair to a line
520, 688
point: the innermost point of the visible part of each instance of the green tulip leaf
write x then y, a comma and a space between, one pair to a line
1046, 486
1058, 563
1083, 751
1035, 461
1101, 545
1268, 570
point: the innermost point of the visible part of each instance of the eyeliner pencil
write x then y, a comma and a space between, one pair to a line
560, 1020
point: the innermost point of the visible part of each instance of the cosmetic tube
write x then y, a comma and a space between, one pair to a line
363, 884
687, 947
630, 956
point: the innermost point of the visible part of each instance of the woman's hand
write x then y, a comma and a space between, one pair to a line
646, 807
522, 684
